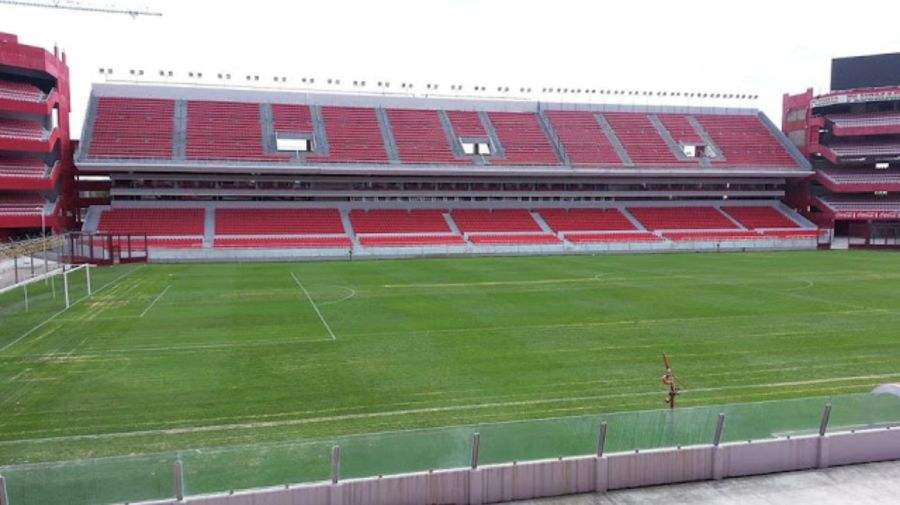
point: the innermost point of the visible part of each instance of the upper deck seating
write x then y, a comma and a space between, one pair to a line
467, 124
640, 138
420, 137
523, 139
354, 136
226, 131
20, 92
22, 167
745, 141
133, 128
582, 138
876, 123
18, 129
292, 118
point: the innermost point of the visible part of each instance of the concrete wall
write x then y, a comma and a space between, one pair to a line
586, 474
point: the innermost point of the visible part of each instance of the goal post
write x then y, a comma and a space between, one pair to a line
60, 287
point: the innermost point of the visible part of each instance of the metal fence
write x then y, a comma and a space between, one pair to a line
201, 471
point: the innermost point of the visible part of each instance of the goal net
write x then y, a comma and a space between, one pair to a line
31, 302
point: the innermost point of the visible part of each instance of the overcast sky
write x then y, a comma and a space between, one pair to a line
762, 47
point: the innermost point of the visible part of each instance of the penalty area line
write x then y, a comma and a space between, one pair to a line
158, 298
314, 306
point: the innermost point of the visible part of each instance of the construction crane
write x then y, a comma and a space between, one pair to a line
72, 5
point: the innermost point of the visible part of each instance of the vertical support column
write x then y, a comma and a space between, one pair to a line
718, 461
66, 285
179, 480
25, 287
601, 464
337, 491
823, 440
87, 271
4, 497
476, 488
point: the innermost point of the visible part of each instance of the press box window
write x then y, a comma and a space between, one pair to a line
293, 145
476, 148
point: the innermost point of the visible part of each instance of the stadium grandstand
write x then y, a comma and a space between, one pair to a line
852, 138
210, 173
35, 149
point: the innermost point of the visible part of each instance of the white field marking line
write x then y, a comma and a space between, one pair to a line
314, 306
427, 410
54, 316
344, 299
158, 298
597, 277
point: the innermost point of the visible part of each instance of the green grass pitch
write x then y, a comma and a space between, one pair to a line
167, 357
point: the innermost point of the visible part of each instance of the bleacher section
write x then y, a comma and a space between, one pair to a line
579, 220
17, 129
21, 167
603, 238
760, 217
467, 124
133, 128
745, 141
882, 123
497, 220
420, 137
155, 222
411, 240
399, 221
680, 129
20, 91
860, 179
311, 242
681, 218
226, 131
523, 139
641, 139
354, 136
292, 118
583, 140
861, 150
21, 203
514, 239
262, 221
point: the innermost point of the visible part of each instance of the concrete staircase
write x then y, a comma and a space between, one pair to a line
209, 226
387, 133
614, 140
179, 130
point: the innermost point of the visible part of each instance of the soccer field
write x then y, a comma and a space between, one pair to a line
166, 357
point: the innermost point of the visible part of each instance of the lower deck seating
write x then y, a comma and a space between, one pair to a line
497, 220
760, 217
563, 220
514, 239
152, 221
791, 234
410, 240
399, 221
681, 218
594, 238
713, 235
282, 242
278, 221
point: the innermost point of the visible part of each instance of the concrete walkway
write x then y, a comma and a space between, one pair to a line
874, 483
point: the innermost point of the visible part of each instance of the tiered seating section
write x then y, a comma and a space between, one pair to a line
681, 218
31, 168
523, 139
153, 222
133, 128
864, 178
324, 228
17, 129
279, 228
226, 131
20, 92
420, 137
21, 204
142, 128
582, 138
882, 123
354, 136
641, 139
745, 141
760, 217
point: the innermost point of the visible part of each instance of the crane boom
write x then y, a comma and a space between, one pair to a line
77, 6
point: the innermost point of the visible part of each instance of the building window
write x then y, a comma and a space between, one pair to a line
476, 147
698, 151
302, 145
